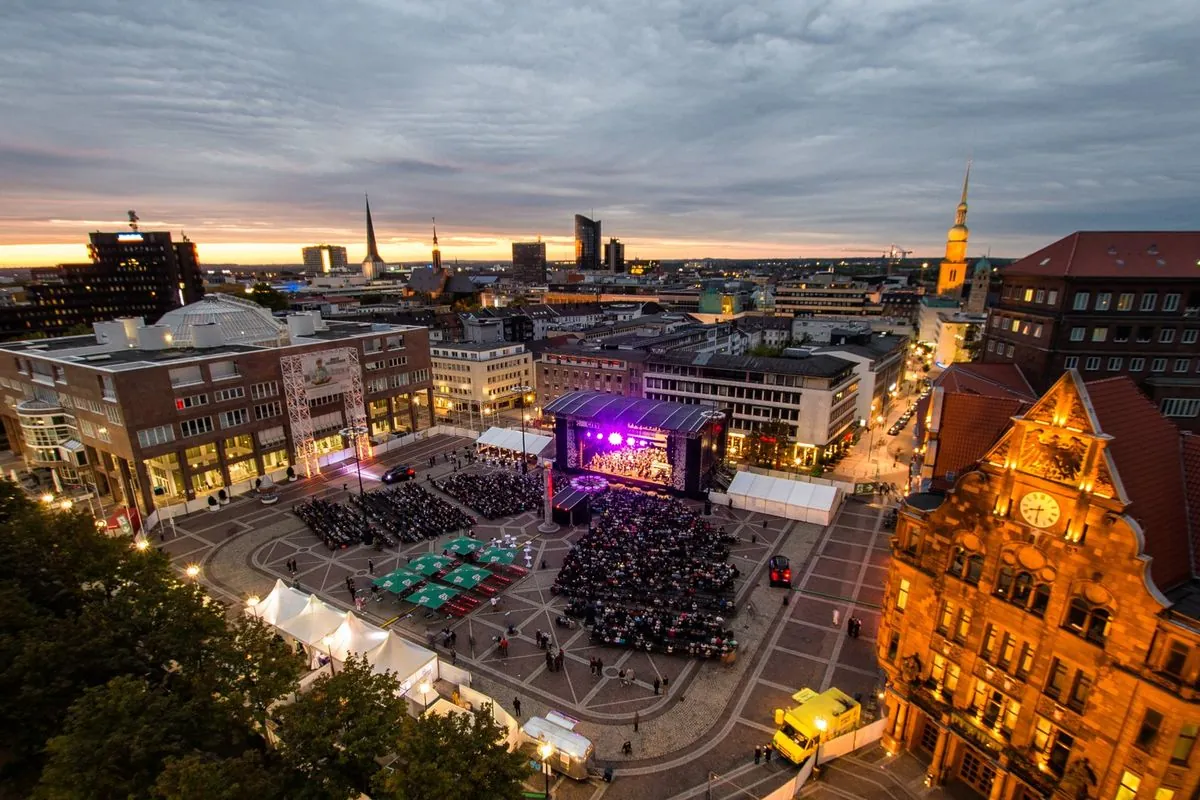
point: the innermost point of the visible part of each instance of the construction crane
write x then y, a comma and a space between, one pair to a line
894, 256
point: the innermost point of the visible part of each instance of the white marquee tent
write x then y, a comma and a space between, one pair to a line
282, 603
509, 439
781, 497
408, 661
355, 637
314, 622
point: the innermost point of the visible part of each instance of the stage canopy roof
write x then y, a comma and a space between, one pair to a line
509, 439
808, 502
617, 410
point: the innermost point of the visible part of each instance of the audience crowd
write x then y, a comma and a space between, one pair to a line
651, 575
337, 525
494, 494
412, 513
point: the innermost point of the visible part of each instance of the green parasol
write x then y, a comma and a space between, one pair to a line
466, 576
432, 596
464, 544
398, 581
430, 563
497, 555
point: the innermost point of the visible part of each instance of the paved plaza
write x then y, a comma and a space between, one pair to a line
695, 739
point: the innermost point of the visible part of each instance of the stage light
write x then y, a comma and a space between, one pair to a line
614, 438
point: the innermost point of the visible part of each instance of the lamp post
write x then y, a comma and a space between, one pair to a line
192, 571
424, 689
545, 750
822, 725
524, 390
356, 432
328, 642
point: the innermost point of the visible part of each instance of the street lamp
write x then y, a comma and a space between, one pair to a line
356, 432
424, 688
141, 545
192, 571
524, 390
822, 725
328, 641
545, 750
47, 498
65, 505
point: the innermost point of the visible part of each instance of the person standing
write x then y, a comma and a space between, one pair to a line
837, 618
767, 754
370, 566
517, 706
665, 681
657, 685
757, 754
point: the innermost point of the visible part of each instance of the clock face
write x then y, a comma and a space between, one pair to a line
1040, 509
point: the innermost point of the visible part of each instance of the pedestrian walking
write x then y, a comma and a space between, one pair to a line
636, 720
629, 675
453, 657
757, 754
558, 661
517, 706
837, 618
767, 754
621, 675
627, 748
370, 567
592, 664
549, 662
657, 685
665, 681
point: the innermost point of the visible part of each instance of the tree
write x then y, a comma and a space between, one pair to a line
452, 757
336, 732
769, 443
766, 351
253, 774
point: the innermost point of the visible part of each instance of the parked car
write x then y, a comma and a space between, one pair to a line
399, 474
780, 571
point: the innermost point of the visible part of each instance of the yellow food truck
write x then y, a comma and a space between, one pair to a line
814, 718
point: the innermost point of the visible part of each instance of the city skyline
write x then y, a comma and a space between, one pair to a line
720, 131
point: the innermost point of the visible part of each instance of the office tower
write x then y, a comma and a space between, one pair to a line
529, 261
587, 242
952, 273
324, 258
372, 265
614, 256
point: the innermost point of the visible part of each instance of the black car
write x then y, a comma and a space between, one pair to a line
399, 474
780, 571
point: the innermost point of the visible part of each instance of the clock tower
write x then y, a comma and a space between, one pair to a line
1053, 464
952, 273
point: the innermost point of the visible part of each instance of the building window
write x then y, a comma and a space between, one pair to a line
1122, 332
1103, 301
1092, 364
1130, 783
902, 595
1040, 296
260, 390
963, 629
1080, 690
1175, 660
1149, 301
149, 437
1088, 621
1099, 334
1056, 680
946, 618
1070, 362
231, 419
1148, 732
268, 410
1029, 295
1166, 336
195, 427
1081, 301
946, 673
1185, 743
1077, 334
1114, 364
1022, 590
1171, 302
196, 400
1189, 336
991, 345
1054, 744
966, 566
1025, 663
1158, 365
1182, 364
893, 647
1016, 325
232, 393
1125, 302
1137, 364
1052, 297
1037, 331
1181, 407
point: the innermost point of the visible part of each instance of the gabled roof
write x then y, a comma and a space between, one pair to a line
970, 425
1115, 254
989, 380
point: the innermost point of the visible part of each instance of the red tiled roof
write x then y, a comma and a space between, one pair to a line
1191, 482
993, 380
1115, 254
971, 424
1148, 456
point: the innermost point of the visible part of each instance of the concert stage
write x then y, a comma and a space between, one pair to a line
649, 443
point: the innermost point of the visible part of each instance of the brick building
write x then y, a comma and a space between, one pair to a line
1107, 303
216, 395
1040, 632
566, 369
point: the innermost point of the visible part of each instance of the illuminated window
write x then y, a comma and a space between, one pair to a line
902, 595
1130, 783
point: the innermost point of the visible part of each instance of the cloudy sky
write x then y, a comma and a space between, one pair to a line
691, 127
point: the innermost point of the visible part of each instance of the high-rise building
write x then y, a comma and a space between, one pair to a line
587, 242
529, 261
324, 258
1039, 627
614, 256
372, 265
133, 273
952, 273
1107, 303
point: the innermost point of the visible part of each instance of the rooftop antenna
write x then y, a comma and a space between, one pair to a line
133, 220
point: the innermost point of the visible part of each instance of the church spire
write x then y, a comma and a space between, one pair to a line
960, 216
437, 254
372, 249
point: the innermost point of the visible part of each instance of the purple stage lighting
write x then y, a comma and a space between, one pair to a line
614, 438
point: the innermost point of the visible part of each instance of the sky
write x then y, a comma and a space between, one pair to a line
692, 128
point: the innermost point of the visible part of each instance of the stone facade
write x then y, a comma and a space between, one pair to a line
1029, 652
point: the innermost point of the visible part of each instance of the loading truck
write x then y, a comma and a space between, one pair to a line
815, 718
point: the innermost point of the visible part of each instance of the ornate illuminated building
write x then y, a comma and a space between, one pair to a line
953, 270
1041, 623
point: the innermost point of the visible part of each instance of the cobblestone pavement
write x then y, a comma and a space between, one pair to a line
713, 715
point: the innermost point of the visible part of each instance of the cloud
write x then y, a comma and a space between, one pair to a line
779, 124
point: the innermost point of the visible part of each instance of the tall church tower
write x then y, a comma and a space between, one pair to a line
953, 270
437, 254
372, 265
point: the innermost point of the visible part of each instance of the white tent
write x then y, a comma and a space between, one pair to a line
409, 662
782, 497
314, 622
355, 637
509, 439
282, 603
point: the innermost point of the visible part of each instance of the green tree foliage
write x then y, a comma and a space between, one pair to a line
766, 351
769, 443
256, 775
454, 757
337, 731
